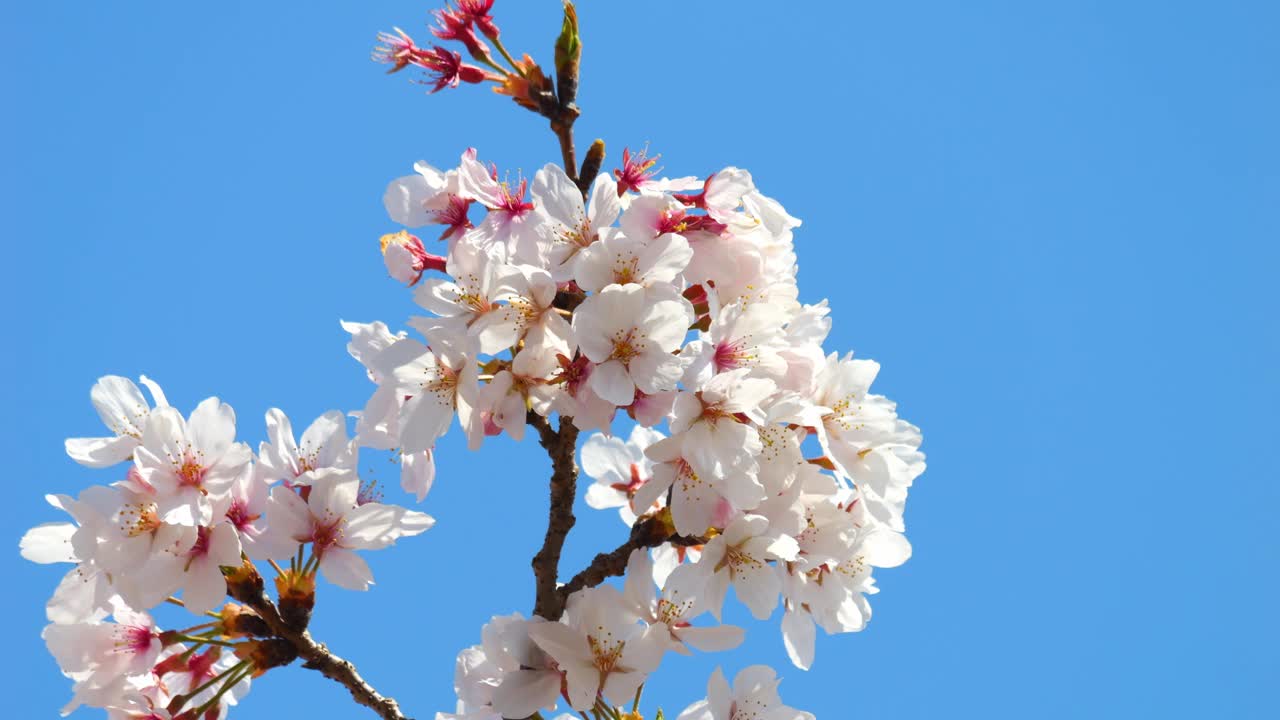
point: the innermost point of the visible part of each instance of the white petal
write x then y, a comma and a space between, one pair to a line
711, 639
606, 459
417, 472
798, 635
757, 587
100, 452
48, 543
204, 587
212, 428
373, 526
612, 383
524, 692
345, 569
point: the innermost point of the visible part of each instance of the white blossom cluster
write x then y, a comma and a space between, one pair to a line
676, 302
769, 464
192, 501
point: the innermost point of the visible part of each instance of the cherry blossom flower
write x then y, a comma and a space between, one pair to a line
679, 603
630, 334
530, 680
600, 647
124, 411
619, 259
568, 225
406, 258
744, 336
85, 592
698, 502
864, 438
710, 423
441, 380
191, 463
510, 228
637, 175
100, 653
323, 444
740, 557
472, 295
247, 511
831, 591
336, 526
754, 696
619, 469
196, 571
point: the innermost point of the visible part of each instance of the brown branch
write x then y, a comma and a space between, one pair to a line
564, 133
561, 445
648, 533
315, 655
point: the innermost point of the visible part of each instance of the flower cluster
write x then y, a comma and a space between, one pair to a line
190, 511
672, 303
665, 310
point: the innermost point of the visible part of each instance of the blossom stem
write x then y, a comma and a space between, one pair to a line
603, 710
192, 650
194, 628
496, 66
233, 669
278, 570
202, 639
635, 704
243, 672
502, 50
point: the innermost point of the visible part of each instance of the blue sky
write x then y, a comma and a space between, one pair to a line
1054, 224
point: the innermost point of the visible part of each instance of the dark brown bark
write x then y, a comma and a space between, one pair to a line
561, 446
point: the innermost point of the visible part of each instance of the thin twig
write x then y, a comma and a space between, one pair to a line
315, 655
644, 534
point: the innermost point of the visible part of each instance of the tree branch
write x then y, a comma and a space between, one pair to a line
315, 655
648, 533
561, 445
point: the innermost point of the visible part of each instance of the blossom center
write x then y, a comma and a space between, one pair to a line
631, 487
191, 471
730, 355
133, 639
326, 534
626, 346
139, 518
605, 650
240, 516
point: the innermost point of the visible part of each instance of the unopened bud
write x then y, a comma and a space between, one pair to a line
591, 164
406, 258
568, 56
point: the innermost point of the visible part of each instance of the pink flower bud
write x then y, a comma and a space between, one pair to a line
406, 258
